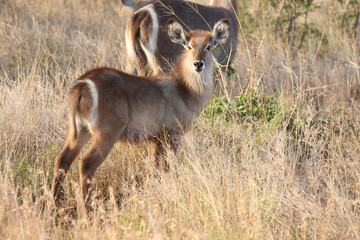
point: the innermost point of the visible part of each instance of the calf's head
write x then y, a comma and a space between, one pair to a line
198, 44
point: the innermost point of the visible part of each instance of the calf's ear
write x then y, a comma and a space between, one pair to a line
220, 33
176, 33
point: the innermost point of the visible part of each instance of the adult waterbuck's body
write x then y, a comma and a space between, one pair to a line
150, 50
106, 106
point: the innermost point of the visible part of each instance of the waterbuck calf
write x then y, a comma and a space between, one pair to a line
106, 106
150, 50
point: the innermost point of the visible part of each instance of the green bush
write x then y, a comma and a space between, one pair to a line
250, 105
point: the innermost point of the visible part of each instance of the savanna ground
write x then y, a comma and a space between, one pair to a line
277, 161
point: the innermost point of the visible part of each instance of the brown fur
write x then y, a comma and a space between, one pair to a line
190, 15
106, 106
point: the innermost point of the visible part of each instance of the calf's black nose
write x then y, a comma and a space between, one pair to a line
199, 65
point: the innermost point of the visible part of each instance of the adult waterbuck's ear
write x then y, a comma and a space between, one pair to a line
220, 33
176, 33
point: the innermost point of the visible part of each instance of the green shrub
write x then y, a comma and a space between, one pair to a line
250, 105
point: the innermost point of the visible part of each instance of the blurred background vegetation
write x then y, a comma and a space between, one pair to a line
303, 25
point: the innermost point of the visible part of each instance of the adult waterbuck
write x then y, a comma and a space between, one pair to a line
150, 50
106, 106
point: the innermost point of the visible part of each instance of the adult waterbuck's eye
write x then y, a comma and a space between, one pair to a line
189, 47
208, 48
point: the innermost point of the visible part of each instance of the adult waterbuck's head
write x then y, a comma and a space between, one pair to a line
106, 106
150, 50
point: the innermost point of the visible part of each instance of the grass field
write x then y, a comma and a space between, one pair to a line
280, 161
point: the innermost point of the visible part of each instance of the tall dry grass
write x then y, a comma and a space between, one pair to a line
291, 178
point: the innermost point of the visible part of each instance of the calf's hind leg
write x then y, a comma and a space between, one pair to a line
101, 145
71, 149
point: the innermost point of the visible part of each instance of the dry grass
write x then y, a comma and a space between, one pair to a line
247, 180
